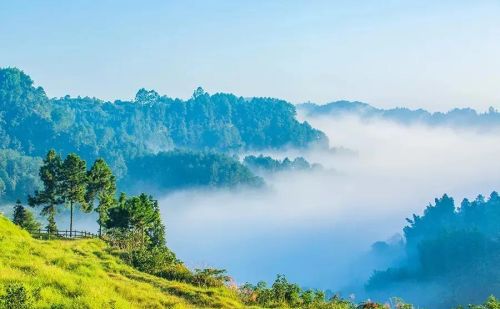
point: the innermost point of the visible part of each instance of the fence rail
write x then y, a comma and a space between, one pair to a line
46, 234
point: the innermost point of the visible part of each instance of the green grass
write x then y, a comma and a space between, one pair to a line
83, 274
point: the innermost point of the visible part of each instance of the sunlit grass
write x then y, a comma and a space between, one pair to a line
83, 274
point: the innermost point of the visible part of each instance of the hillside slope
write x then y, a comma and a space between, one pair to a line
82, 274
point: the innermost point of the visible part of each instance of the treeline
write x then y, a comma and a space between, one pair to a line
263, 163
184, 169
458, 117
453, 250
161, 172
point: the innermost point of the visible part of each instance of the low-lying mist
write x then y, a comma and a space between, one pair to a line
315, 227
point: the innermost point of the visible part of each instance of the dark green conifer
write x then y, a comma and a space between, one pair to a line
74, 185
50, 197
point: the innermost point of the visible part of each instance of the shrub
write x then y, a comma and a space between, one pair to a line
16, 297
210, 277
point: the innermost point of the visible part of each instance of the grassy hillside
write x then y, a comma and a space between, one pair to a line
82, 274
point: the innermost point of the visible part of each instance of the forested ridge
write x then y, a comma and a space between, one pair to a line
120, 131
457, 117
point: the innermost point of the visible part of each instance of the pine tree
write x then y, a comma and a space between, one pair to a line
74, 185
101, 185
24, 218
50, 197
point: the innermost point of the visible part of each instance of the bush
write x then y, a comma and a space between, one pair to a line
177, 272
16, 297
210, 277
153, 260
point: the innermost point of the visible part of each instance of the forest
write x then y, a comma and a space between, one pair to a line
181, 169
451, 250
123, 131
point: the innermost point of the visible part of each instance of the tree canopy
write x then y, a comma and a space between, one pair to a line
121, 131
456, 249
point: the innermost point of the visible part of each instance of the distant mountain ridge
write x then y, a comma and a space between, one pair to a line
454, 117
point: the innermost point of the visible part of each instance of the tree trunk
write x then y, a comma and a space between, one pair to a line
71, 220
142, 237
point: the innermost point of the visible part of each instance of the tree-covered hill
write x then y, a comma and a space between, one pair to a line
31, 123
124, 131
451, 255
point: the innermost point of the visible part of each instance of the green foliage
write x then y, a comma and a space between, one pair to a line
101, 185
139, 216
24, 218
118, 132
268, 164
134, 228
16, 297
18, 174
182, 169
69, 182
209, 277
50, 196
152, 260
85, 274
492, 303
455, 249
73, 184
24, 123
74, 180
289, 295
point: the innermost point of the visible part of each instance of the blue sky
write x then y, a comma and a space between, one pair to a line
431, 54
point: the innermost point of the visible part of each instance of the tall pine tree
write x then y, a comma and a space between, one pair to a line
74, 185
50, 197
101, 186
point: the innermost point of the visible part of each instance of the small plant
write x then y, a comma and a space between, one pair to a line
16, 297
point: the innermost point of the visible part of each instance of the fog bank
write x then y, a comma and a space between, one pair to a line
312, 226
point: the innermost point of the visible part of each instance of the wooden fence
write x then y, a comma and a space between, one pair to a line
46, 234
